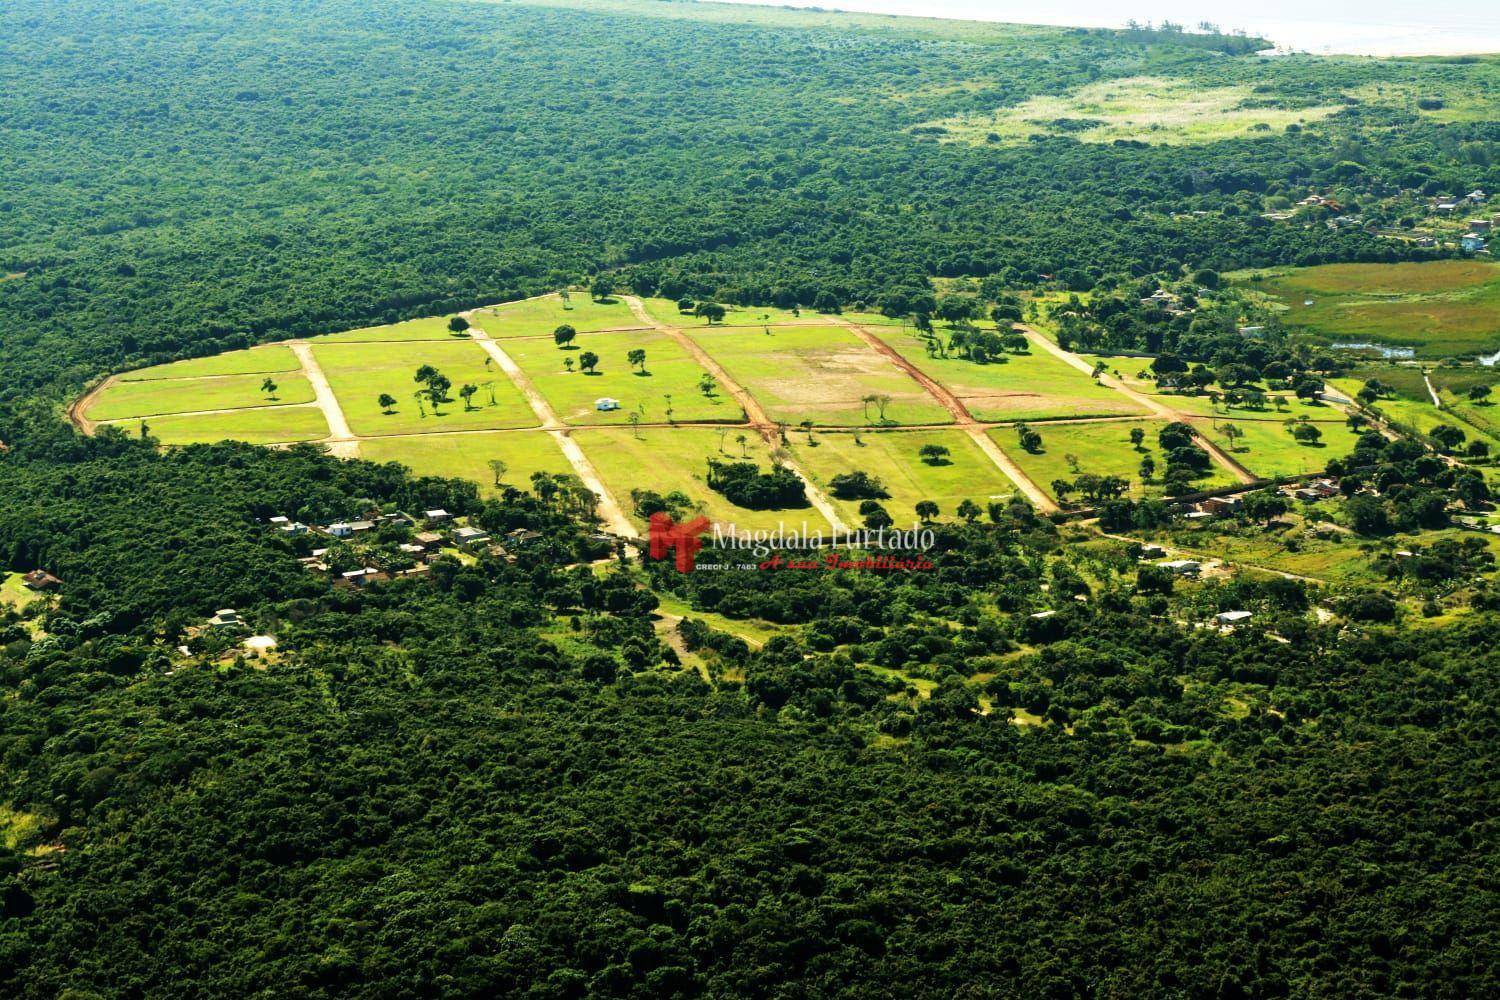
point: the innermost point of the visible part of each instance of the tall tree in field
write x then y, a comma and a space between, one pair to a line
927, 511
387, 403
707, 384
637, 358
742, 441
458, 324
467, 395
268, 386
564, 335
1137, 435
601, 288
588, 361
497, 469
969, 511
634, 420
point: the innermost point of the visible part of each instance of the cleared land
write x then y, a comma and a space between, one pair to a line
270, 360
540, 316
892, 457
1029, 386
1269, 450
427, 328
146, 399
272, 425
359, 373
1101, 449
1158, 110
666, 311
664, 459
668, 370
468, 456
819, 373
1439, 308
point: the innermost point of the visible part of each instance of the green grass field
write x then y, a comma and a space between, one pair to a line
666, 311
533, 317
1102, 449
1291, 407
146, 399
666, 459
1158, 110
468, 456
819, 373
266, 425
1026, 387
669, 370
270, 359
1268, 449
892, 457
426, 328
359, 373
1440, 308
14, 594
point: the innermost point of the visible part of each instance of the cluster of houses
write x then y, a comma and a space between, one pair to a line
1190, 568
440, 530
1168, 302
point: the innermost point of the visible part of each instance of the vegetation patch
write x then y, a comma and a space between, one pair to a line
1152, 109
224, 392
266, 425
473, 456
1272, 449
269, 359
542, 315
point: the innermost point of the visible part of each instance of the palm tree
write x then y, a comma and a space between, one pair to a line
742, 440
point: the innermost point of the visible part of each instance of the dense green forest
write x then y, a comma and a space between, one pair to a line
501, 780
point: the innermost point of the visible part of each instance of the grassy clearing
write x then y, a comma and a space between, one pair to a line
892, 457
1158, 110
145, 399
1028, 386
1268, 449
468, 456
755, 631
1440, 308
669, 370
359, 373
533, 317
426, 328
820, 373
271, 359
268, 425
1291, 407
666, 311
667, 459
15, 594
1103, 449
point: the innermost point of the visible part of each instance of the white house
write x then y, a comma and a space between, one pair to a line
1182, 567
1472, 241
604, 404
1232, 618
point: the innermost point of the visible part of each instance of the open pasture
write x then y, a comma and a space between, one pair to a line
1268, 449
668, 371
426, 328
1029, 386
271, 359
665, 459
666, 311
360, 373
263, 425
540, 316
822, 374
1101, 449
893, 457
1439, 308
221, 392
468, 456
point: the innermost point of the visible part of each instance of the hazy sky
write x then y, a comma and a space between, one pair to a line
1373, 27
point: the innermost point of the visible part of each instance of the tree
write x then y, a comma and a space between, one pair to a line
969, 511
707, 384
1307, 433
458, 324
857, 485
1030, 439
1148, 468
807, 427
467, 394
588, 361
881, 401
927, 511
742, 441
1447, 436
1233, 433
636, 356
564, 335
711, 311
1479, 393
634, 420
1137, 436
387, 402
1264, 506
497, 470
934, 454
268, 386
1061, 488
601, 288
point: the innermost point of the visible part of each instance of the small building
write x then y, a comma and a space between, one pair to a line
1479, 225
437, 516
1445, 207
1252, 332
1229, 619
1043, 615
279, 521
1182, 567
363, 577
1473, 242
468, 537
343, 529
40, 580
1220, 506
521, 537
1153, 552
605, 404
1197, 515
226, 618
411, 550
1475, 197
427, 540
1308, 495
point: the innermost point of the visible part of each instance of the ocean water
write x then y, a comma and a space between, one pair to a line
1345, 27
